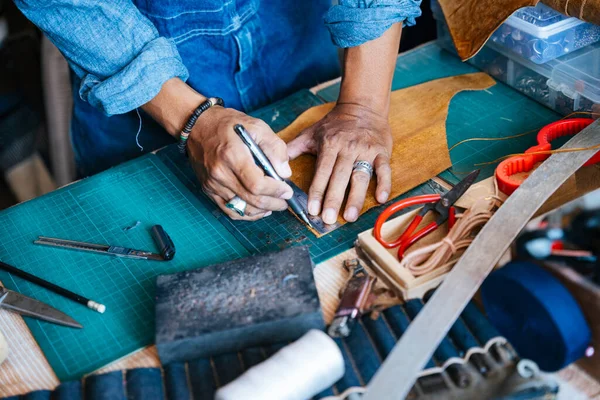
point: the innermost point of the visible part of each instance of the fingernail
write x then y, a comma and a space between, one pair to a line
314, 206
329, 216
383, 196
287, 195
351, 214
286, 171
268, 213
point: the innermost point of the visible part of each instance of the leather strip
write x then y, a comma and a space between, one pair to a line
398, 373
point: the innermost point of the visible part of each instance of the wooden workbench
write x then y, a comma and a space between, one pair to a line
27, 370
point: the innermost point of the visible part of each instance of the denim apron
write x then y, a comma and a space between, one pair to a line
249, 52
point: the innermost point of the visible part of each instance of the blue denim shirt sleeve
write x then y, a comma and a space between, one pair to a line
354, 22
116, 51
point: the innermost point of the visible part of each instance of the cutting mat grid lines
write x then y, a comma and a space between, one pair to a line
281, 229
97, 210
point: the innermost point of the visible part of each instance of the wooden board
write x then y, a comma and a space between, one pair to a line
409, 286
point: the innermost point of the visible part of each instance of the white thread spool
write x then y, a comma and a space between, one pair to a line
297, 372
3, 348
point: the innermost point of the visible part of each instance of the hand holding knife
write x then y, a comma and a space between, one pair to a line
263, 161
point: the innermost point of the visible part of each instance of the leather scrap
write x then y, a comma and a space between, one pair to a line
472, 22
418, 122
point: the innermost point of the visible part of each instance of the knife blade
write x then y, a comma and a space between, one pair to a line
29, 307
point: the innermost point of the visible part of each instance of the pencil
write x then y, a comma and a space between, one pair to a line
54, 288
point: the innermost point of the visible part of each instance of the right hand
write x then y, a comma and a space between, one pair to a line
225, 166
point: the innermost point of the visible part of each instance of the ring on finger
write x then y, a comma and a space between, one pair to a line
363, 166
238, 205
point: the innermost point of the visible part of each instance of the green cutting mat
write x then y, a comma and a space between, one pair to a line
498, 111
282, 230
96, 210
154, 190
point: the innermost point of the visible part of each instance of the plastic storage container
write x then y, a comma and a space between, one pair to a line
539, 33
566, 84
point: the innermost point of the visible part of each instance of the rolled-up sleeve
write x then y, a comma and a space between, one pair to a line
116, 51
354, 22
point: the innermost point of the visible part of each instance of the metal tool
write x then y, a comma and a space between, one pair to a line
442, 204
160, 236
29, 307
52, 287
399, 371
355, 299
296, 205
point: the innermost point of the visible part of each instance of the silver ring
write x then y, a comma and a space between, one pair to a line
238, 205
363, 166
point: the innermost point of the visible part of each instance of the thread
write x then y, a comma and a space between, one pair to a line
536, 314
587, 113
96, 306
137, 135
572, 150
297, 372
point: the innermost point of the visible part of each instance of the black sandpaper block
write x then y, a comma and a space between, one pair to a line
260, 300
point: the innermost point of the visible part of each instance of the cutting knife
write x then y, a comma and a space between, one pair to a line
29, 307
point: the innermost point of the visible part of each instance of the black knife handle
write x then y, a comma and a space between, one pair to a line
164, 242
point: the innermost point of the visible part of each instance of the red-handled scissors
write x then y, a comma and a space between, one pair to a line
443, 205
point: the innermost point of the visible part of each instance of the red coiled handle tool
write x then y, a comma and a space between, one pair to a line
507, 169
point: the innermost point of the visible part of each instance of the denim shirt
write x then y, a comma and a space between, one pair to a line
123, 51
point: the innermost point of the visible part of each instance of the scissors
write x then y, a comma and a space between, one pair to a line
443, 205
507, 170
29, 307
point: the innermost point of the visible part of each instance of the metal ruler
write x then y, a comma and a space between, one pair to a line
397, 375
317, 223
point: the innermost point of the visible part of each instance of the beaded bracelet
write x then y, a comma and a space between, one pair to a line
187, 129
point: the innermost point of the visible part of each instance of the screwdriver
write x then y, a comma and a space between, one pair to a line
265, 164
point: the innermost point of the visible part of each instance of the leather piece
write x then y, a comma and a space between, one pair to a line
587, 10
472, 22
418, 122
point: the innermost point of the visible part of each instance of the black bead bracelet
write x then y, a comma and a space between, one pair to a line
187, 129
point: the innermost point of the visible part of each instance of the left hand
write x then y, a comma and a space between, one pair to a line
349, 133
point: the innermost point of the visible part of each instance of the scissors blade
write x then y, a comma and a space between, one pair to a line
451, 196
29, 307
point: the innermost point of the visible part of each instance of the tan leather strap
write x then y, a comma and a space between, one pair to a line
399, 371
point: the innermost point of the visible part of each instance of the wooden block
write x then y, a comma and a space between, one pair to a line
409, 286
386, 261
255, 301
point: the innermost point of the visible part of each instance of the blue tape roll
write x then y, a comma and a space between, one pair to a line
537, 315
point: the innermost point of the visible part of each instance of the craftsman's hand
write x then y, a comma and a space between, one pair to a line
349, 133
225, 166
